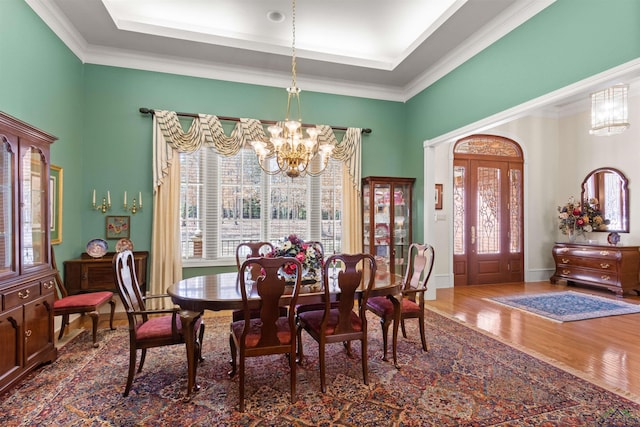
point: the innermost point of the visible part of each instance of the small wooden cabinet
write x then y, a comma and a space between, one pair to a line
386, 221
87, 274
616, 268
26, 274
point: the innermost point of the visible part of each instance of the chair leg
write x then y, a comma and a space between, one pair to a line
234, 352
293, 366
201, 340
241, 385
422, 334
404, 331
323, 382
112, 303
142, 359
95, 317
384, 324
65, 322
365, 364
300, 354
132, 369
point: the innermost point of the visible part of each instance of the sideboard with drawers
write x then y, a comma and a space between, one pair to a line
616, 268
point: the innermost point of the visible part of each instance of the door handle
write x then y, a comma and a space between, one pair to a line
473, 234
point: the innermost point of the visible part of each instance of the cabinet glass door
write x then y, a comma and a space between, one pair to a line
34, 205
7, 261
401, 218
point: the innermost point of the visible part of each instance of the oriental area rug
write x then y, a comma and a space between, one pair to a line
466, 379
568, 306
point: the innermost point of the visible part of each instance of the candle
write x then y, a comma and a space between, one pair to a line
108, 197
140, 199
125, 199
94, 197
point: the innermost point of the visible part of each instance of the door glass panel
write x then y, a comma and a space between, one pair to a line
400, 226
33, 209
6, 208
382, 202
458, 209
488, 219
515, 207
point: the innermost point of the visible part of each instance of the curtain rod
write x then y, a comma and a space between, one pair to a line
144, 110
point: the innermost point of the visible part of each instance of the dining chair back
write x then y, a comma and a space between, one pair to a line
88, 303
150, 328
339, 321
270, 332
416, 277
247, 250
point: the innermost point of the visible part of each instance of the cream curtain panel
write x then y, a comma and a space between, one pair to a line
206, 131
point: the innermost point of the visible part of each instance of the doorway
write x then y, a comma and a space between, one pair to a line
487, 211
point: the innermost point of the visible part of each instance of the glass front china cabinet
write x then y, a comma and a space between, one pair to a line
26, 276
386, 221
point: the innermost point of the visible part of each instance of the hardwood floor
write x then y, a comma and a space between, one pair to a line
605, 351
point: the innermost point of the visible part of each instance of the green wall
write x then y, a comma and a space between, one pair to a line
41, 83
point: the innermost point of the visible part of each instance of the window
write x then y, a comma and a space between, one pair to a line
228, 200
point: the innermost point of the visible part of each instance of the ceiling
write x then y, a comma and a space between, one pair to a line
377, 49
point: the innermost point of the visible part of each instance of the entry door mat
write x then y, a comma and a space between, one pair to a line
568, 306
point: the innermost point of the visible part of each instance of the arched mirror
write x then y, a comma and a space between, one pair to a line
608, 186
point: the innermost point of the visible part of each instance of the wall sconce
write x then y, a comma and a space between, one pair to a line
609, 113
136, 205
106, 202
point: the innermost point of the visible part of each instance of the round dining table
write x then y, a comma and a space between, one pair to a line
222, 292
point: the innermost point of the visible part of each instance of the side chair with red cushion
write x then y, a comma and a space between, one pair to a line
151, 328
333, 324
85, 304
270, 332
421, 257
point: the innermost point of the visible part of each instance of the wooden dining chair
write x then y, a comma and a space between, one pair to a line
88, 303
270, 332
151, 328
419, 267
340, 324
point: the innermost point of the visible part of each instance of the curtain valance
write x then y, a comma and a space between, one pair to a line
206, 131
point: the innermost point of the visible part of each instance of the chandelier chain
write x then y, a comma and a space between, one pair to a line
293, 46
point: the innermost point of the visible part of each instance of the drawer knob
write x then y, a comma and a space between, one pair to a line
605, 277
565, 261
604, 265
24, 295
27, 333
604, 253
566, 271
48, 285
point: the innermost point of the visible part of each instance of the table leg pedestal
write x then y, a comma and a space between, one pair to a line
188, 319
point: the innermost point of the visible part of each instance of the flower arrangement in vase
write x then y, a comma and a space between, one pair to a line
575, 218
308, 255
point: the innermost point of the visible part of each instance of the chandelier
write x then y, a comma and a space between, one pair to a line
292, 152
609, 113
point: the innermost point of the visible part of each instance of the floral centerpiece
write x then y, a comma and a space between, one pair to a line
308, 255
577, 218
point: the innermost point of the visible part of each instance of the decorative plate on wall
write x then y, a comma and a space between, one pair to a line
96, 248
123, 245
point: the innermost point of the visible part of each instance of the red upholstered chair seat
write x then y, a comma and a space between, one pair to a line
383, 306
160, 327
255, 331
82, 301
313, 319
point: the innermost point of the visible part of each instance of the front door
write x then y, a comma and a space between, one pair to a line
488, 210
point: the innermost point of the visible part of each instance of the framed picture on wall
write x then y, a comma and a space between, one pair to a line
438, 196
55, 204
118, 227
